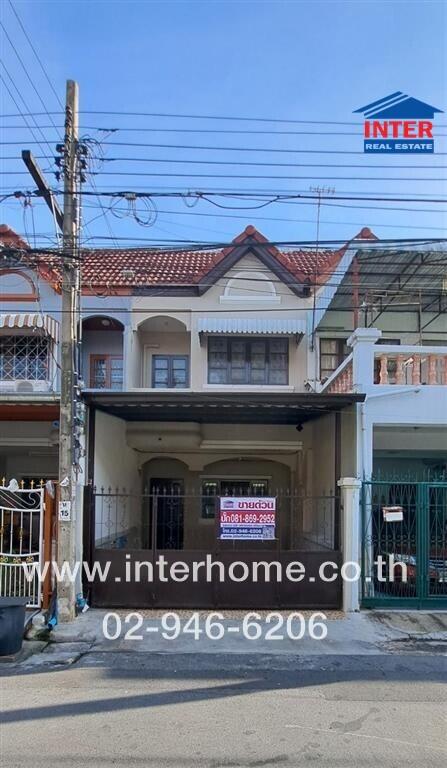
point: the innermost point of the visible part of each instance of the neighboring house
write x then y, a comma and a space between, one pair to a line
223, 373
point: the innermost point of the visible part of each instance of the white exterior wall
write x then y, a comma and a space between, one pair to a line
392, 406
234, 298
115, 467
115, 462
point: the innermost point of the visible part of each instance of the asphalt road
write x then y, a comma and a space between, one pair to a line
228, 711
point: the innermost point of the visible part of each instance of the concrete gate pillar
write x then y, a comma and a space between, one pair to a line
350, 537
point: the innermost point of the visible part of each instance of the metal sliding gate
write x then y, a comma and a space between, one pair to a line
21, 543
130, 532
404, 543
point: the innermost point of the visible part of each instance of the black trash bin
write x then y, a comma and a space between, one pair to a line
12, 624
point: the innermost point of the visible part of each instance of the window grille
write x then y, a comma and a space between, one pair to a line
24, 358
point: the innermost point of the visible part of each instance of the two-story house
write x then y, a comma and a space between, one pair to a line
236, 372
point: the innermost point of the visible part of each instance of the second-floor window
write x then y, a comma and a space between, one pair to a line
24, 358
332, 354
170, 371
106, 371
241, 361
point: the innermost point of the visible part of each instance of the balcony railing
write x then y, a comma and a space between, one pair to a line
410, 365
341, 380
393, 365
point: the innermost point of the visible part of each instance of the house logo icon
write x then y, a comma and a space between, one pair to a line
398, 124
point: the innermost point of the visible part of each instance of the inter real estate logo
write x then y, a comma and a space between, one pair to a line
398, 124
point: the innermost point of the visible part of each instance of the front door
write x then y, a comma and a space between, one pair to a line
167, 497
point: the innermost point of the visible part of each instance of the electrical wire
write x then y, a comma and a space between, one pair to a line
38, 58
36, 140
278, 197
367, 179
250, 164
224, 149
125, 129
168, 309
283, 219
26, 72
211, 117
378, 245
252, 193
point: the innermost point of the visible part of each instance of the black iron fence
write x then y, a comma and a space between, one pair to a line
171, 520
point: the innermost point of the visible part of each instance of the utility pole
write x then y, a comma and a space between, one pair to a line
320, 192
68, 222
66, 544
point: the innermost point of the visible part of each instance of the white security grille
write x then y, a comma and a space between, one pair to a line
21, 543
24, 358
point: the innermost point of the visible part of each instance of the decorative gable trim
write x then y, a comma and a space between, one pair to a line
251, 242
30, 295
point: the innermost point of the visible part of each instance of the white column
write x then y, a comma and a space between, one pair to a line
127, 357
362, 342
198, 360
350, 537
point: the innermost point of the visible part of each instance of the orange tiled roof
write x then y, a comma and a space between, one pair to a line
126, 268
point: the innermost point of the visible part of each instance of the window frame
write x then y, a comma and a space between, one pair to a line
341, 355
248, 356
170, 359
108, 359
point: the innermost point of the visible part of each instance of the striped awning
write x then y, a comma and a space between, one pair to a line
49, 325
259, 325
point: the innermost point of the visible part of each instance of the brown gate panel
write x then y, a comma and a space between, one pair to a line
305, 533
116, 592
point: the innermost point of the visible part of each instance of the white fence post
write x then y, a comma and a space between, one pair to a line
350, 528
362, 342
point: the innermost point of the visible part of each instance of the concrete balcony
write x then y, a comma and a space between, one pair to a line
373, 365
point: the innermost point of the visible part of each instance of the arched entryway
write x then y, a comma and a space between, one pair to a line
102, 352
165, 345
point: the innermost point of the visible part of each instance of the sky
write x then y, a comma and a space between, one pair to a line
274, 61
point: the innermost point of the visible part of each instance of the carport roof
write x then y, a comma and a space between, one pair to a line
391, 279
218, 408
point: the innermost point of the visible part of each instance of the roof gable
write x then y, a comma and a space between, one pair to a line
251, 241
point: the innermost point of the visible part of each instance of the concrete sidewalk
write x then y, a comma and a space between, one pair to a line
356, 634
